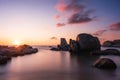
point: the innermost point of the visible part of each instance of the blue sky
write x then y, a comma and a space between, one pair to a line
33, 21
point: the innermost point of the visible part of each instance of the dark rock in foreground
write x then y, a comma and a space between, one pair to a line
105, 63
3, 59
115, 43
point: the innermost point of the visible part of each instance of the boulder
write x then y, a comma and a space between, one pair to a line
106, 52
115, 43
63, 45
73, 46
107, 44
105, 63
87, 42
111, 52
3, 60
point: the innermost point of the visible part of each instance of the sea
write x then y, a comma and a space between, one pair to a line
57, 65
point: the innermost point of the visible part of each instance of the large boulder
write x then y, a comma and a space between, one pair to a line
87, 42
105, 63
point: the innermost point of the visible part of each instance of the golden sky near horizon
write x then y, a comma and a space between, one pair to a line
44, 22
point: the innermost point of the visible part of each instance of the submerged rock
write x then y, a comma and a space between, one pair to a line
105, 63
54, 49
106, 52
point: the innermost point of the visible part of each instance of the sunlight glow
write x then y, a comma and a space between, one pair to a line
17, 42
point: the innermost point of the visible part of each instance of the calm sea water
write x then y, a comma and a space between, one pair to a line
56, 65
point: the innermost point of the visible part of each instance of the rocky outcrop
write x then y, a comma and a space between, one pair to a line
4, 59
115, 43
62, 47
106, 52
84, 43
105, 63
107, 43
73, 46
7, 52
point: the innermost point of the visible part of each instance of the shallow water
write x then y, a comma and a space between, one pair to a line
56, 65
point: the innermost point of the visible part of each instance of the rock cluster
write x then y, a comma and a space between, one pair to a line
115, 43
63, 46
84, 43
7, 52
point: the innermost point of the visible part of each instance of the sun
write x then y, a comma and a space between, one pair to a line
17, 42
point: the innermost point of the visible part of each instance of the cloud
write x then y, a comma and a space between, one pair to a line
99, 33
76, 10
60, 24
115, 26
53, 38
57, 16
69, 5
79, 18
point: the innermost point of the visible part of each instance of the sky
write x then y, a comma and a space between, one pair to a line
44, 22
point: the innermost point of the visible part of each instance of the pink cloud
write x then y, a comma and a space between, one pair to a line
115, 26
76, 10
60, 24
57, 16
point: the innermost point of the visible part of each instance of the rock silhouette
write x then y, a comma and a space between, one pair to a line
115, 43
106, 52
105, 63
7, 52
84, 43
63, 46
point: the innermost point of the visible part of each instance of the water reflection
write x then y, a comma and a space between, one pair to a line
54, 65
82, 66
